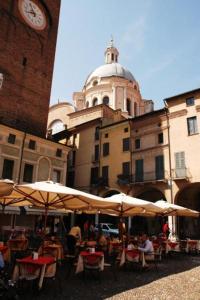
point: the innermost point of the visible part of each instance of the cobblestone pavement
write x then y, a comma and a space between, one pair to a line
177, 277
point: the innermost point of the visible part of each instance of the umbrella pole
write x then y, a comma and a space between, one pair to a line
45, 219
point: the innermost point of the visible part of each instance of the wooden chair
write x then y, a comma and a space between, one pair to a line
91, 263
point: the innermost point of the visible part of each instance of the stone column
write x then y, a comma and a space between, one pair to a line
125, 96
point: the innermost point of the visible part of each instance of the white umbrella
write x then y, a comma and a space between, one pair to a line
170, 209
53, 195
6, 187
131, 206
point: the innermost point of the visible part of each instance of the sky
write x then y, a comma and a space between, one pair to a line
158, 41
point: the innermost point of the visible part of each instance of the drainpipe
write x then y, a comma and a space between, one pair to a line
21, 157
172, 221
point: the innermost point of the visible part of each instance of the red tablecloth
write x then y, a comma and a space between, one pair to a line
172, 244
132, 253
42, 260
86, 253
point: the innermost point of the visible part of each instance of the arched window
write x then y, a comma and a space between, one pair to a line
95, 82
94, 102
87, 104
128, 106
106, 100
57, 126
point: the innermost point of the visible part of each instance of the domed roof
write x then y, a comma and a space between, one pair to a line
111, 69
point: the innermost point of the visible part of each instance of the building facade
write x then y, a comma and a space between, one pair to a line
27, 50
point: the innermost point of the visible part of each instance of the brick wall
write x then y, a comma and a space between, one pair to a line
26, 61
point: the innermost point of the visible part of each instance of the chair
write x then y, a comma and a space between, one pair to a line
91, 263
155, 257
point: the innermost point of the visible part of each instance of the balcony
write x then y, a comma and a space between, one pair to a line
123, 179
181, 174
146, 177
99, 182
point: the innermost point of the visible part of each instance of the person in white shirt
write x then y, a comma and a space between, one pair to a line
147, 246
147, 249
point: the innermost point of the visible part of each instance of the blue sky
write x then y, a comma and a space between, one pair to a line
158, 41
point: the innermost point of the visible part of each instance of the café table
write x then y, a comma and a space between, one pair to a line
132, 255
192, 245
80, 264
172, 246
41, 262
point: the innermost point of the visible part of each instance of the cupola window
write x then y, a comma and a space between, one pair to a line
106, 100
94, 102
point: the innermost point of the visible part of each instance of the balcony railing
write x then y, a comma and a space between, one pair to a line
123, 179
99, 182
150, 176
182, 173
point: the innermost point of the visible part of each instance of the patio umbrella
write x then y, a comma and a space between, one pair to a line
131, 206
15, 200
170, 209
6, 187
48, 194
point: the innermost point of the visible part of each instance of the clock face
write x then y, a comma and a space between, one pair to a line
32, 14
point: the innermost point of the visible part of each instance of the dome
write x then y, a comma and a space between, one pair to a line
109, 70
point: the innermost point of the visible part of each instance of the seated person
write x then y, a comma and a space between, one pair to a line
102, 242
72, 237
146, 247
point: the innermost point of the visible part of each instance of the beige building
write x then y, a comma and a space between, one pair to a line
27, 158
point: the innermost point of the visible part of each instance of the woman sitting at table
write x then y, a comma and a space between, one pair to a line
73, 236
102, 242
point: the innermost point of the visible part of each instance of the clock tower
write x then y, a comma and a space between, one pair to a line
27, 48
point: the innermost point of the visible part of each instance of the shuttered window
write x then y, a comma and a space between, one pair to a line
139, 170
192, 125
126, 168
159, 160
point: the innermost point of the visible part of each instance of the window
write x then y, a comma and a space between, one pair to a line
112, 56
126, 129
96, 133
126, 144
32, 144
105, 149
128, 106
106, 100
94, 102
139, 170
106, 135
8, 166
126, 168
137, 144
135, 109
95, 82
96, 152
159, 161
190, 101
105, 174
94, 175
160, 138
192, 125
11, 138
56, 176
28, 173
59, 152
180, 169
70, 178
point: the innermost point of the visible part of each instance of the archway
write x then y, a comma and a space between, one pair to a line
152, 226
189, 196
106, 100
